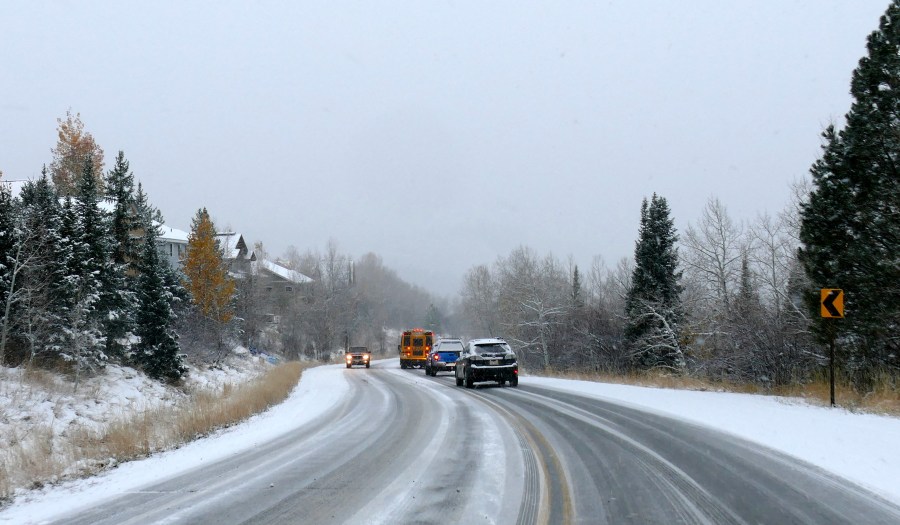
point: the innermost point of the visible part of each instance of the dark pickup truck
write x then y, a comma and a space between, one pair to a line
358, 355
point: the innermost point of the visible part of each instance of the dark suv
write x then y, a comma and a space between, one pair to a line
487, 360
443, 356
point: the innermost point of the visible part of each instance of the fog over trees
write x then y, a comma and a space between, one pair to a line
732, 300
81, 283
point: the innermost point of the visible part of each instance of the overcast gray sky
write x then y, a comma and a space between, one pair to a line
437, 134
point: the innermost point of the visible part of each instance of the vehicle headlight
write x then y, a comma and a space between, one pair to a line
366, 357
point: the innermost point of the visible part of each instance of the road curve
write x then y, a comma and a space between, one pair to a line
615, 464
406, 448
397, 449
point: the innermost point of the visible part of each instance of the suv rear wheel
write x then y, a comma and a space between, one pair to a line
470, 380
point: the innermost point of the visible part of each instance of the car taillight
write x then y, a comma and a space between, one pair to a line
437, 357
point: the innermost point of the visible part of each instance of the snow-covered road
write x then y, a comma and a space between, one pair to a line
391, 446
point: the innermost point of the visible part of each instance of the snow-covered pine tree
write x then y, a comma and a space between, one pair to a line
124, 221
117, 298
88, 269
9, 243
653, 304
157, 351
850, 226
149, 216
45, 304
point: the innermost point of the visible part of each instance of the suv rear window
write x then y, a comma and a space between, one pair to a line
450, 346
490, 348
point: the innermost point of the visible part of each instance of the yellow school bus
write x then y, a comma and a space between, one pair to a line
414, 347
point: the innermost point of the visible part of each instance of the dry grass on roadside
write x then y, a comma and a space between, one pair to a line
883, 399
40, 457
209, 411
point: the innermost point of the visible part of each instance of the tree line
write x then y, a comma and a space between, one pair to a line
82, 281
349, 302
729, 300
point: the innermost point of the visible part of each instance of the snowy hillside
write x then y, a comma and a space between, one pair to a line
43, 421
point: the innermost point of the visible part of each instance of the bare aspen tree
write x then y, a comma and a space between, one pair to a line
712, 252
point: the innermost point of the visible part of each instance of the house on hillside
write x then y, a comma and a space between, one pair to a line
172, 244
279, 286
237, 257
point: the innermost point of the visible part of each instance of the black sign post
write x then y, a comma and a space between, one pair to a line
831, 328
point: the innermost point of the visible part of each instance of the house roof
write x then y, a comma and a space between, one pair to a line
285, 273
167, 233
14, 185
231, 244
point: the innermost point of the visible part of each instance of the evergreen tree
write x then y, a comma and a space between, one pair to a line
157, 351
433, 320
577, 292
850, 226
114, 304
9, 245
653, 304
148, 216
46, 304
124, 220
87, 270
748, 298
118, 299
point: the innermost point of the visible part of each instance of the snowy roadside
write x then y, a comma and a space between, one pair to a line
860, 447
44, 399
44, 421
319, 389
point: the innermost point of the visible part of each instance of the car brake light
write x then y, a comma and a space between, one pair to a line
437, 357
